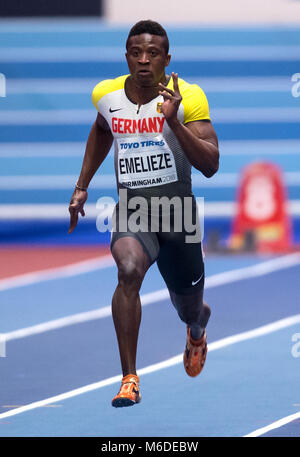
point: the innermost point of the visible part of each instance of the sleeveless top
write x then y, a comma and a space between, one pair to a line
149, 160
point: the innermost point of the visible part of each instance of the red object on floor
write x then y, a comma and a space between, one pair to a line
262, 217
17, 260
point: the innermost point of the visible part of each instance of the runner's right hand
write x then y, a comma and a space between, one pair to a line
77, 202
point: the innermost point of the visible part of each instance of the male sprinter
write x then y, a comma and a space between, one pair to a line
167, 123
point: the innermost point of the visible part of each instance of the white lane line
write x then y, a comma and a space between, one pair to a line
53, 182
48, 117
277, 424
255, 115
53, 25
260, 269
108, 181
78, 318
107, 261
55, 324
219, 344
65, 271
179, 53
88, 116
58, 211
163, 294
86, 85
76, 149
255, 333
56, 149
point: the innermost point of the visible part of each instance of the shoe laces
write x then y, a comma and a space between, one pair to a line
126, 383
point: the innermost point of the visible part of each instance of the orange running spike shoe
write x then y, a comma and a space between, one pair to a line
129, 393
195, 354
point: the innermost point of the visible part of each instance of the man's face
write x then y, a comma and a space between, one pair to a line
147, 59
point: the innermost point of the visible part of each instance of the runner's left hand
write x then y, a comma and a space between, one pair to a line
172, 99
77, 202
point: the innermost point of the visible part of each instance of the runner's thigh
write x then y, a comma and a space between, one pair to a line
181, 264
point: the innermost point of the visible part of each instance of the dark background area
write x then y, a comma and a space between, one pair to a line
51, 8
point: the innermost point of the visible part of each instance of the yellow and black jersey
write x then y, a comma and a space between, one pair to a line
149, 160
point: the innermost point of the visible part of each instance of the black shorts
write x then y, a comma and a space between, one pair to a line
180, 262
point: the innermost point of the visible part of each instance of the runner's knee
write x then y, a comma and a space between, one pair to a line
191, 309
198, 314
190, 316
130, 273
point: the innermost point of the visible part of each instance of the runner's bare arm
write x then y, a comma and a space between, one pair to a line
98, 146
200, 144
198, 139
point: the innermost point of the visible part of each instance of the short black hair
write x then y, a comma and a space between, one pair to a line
151, 27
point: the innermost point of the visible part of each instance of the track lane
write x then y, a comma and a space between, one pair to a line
175, 405
57, 361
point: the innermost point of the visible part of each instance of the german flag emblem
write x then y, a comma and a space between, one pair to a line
158, 107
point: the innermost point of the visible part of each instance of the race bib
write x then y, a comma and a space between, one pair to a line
145, 162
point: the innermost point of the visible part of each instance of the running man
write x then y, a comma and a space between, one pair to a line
160, 127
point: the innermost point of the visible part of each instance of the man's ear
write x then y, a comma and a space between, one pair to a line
168, 58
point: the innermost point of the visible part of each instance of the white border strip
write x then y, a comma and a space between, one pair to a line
277, 424
219, 344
